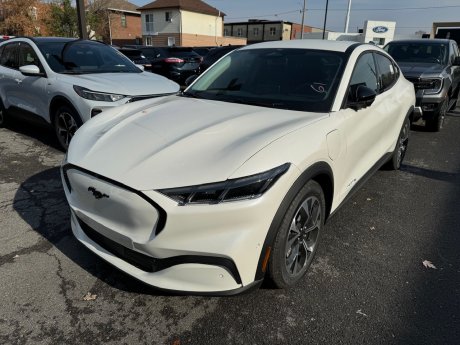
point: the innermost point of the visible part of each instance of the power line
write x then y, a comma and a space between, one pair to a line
354, 9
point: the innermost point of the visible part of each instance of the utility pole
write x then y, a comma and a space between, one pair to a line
325, 19
81, 19
303, 19
347, 20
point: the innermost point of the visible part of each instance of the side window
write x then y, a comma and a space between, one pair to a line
365, 73
9, 56
387, 72
27, 56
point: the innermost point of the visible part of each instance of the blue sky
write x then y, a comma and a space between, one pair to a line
410, 15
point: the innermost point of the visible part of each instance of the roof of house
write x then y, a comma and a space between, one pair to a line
120, 5
197, 6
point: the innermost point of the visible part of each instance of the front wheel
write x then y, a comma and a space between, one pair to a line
298, 236
66, 123
2, 116
436, 123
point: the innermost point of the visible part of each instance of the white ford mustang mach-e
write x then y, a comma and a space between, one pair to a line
231, 181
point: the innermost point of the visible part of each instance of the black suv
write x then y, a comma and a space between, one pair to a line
433, 66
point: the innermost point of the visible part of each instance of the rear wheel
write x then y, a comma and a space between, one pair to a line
66, 123
298, 236
401, 147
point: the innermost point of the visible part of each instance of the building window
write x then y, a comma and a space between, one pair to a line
225, 32
149, 22
255, 31
239, 32
171, 41
168, 17
272, 31
148, 40
123, 20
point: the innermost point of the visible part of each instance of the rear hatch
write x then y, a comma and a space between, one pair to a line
184, 58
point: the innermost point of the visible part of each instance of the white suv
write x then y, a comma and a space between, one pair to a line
66, 81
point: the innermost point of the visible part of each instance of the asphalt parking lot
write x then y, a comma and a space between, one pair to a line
368, 284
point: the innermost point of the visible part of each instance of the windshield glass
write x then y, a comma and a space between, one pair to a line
83, 57
294, 79
428, 52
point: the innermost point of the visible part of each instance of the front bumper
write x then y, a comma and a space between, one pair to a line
196, 248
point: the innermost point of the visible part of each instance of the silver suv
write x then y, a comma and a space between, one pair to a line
66, 81
433, 66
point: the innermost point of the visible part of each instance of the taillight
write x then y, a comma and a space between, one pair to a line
173, 60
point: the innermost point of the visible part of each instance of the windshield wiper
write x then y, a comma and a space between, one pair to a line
71, 72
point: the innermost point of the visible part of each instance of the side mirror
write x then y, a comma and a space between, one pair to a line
190, 79
31, 71
360, 97
141, 67
456, 61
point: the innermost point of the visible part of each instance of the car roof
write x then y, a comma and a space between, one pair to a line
339, 46
422, 40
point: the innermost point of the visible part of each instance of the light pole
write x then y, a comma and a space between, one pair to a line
347, 20
303, 19
325, 18
81, 20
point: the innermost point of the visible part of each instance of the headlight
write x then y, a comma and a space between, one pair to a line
431, 86
249, 187
97, 96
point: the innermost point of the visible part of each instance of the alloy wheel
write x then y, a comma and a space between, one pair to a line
403, 141
66, 127
303, 236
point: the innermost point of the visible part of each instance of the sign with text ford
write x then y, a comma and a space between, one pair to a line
380, 29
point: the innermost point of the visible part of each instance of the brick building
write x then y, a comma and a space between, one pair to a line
120, 24
184, 23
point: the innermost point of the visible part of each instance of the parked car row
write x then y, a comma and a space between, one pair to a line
175, 63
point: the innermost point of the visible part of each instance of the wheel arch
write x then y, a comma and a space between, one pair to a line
58, 101
320, 172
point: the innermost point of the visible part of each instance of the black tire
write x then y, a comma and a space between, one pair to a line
288, 265
401, 147
65, 122
3, 116
436, 123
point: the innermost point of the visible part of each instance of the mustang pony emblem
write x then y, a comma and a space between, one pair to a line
97, 194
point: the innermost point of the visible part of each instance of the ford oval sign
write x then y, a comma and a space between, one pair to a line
380, 29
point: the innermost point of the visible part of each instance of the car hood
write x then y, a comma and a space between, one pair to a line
129, 84
176, 141
417, 70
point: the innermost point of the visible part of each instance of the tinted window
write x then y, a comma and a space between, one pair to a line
387, 71
150, 53
9, 56
365, 73
419, 52
82, 57
295, 79
27, 56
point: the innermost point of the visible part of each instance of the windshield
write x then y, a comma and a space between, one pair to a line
83, 57
418, 52
294, 79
